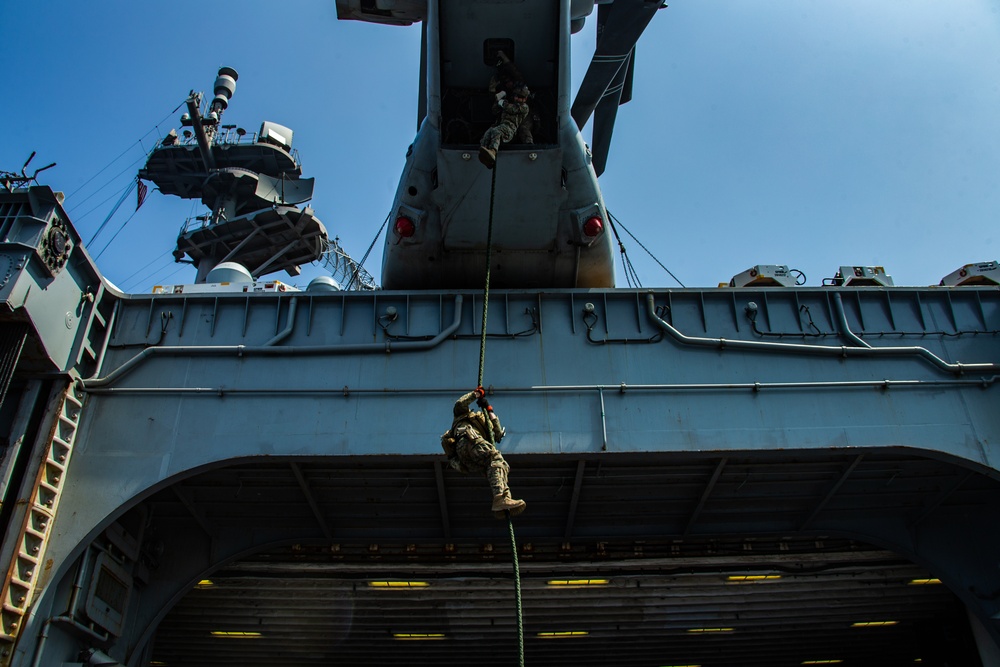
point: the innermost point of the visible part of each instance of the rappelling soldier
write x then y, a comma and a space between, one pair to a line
508, 78
511, 111
469, 450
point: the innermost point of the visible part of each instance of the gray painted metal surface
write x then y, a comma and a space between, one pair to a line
586, 375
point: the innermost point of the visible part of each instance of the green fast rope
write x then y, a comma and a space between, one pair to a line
517, 594
486, 288
489, 425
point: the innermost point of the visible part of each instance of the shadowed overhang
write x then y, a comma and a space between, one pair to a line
657, 560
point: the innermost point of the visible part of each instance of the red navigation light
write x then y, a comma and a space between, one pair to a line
593, 226
405, 227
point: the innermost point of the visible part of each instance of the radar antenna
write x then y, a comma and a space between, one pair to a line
345, 270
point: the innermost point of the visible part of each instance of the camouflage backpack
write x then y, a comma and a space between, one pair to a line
449, 443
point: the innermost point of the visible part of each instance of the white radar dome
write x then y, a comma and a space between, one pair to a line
229, 272
323, 284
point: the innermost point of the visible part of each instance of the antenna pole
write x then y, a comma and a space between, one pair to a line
197, 122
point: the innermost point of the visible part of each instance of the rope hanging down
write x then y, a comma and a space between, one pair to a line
517, 594
486, 287
489, 426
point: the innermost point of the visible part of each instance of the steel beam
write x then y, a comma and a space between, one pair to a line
442, 500
577, 484
833, 490
193, 510
307, 492
704, 495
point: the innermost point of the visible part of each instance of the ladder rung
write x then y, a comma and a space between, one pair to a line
48, 487
67, 420
7, 607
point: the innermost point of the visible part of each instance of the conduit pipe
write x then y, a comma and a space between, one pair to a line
543, 389
108, 330
799, 348
67, 616
845, 328
270, 349
289, 326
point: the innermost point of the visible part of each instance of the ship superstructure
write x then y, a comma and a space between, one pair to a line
251, 184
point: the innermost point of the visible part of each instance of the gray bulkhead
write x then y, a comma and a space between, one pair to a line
598, 374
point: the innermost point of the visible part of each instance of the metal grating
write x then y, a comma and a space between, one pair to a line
11, 209
12, 337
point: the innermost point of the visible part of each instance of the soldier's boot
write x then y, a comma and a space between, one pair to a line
503, 503
487, 156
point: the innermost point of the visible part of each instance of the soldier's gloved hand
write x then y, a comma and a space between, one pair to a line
483, 403
502, 94
500, 434
479, 392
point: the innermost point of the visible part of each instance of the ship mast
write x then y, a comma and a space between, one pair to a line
251, 184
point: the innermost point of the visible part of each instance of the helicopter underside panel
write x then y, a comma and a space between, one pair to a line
537, 209
525, 207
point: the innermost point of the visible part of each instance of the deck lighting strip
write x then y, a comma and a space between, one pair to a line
924, 582
873, 624
418, 636
563, 635
822, 662
708, 630
578, 582
235, 634
398, 584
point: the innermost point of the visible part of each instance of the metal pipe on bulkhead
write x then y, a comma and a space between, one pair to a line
800, 348
270, 348
287, 331
845, 328
542, 389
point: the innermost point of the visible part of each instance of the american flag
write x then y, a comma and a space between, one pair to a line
141, 193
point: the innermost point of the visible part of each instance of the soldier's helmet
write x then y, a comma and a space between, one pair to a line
521, 90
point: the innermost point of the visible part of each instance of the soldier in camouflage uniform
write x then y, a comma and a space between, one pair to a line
507, 79
469, 450
511, 113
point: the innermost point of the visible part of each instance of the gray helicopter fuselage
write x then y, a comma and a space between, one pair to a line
546, 194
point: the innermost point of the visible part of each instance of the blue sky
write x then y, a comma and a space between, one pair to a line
811, 133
